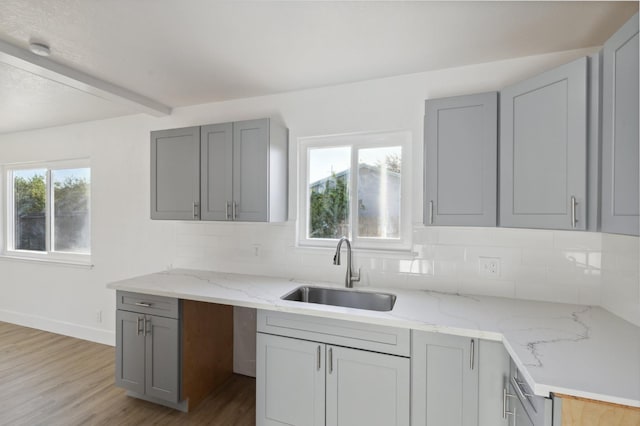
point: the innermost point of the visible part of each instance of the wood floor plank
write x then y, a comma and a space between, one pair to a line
48, 379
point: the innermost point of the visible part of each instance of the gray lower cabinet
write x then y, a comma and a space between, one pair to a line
175, 174
222, 172
306, 380
290, 386
620, 161
461, 154
457, 381
148, 351
543, 150
444, 387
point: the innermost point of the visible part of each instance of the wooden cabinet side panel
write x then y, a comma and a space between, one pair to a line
207, 348
579, 411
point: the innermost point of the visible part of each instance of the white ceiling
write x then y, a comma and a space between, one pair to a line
189, 52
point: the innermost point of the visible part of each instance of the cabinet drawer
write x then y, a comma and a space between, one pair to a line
378, 338
537, 408
148, 304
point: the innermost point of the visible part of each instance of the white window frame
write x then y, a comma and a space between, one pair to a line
8, 249
356, 141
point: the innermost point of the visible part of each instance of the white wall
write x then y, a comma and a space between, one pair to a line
536, 264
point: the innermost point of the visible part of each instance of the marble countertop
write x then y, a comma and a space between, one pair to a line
575, 350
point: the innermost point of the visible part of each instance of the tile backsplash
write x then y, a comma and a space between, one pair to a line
559, 266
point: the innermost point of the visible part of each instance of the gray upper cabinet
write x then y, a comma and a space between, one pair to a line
217, 171
251, 171
175, 174
543, 150
223, 172
620, 180
460, 137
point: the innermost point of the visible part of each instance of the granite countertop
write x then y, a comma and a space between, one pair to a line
575, 350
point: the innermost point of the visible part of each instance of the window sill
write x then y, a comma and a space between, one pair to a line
386, 252
60, 262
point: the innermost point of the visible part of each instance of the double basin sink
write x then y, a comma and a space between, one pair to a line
370, 301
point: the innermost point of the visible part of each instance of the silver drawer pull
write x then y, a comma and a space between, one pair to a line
319, 365
520, 389
574, 220
227, 211
144, 304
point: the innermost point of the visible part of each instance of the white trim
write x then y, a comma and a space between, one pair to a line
44, 260
356, 141
50, 70
49, 255
98, 335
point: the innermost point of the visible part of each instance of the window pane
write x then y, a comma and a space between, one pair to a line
29, 196
329, 171
71, 221
379, 192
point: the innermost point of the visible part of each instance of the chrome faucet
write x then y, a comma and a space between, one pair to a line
350, 277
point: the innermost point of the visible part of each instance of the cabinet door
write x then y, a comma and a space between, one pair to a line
251, 170
162, 360
543, 146
175, 174
493, 372
444, 389
290, 381
620, 181
367, 388
130, 351
461, 156
216, 145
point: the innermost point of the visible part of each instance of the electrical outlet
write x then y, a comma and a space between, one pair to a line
489, 266
99, 316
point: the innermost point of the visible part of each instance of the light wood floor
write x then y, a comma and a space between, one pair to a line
49, 379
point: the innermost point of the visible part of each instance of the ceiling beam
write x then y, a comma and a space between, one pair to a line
46, 68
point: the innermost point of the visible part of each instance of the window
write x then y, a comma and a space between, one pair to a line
353, 185
48, 210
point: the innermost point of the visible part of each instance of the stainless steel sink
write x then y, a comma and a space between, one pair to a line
348, 298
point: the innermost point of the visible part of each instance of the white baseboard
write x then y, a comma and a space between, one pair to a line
59, 327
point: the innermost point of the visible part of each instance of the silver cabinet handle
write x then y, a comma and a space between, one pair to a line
330, 360
143, 304
195, 210
227, 211
518, 386
146, 327
574, 203
319, 355
472, 354
138, 322
431, 212
506, 395
233, 210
